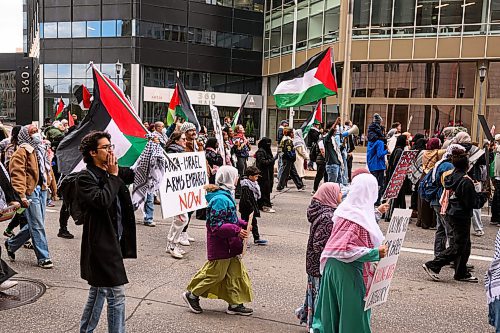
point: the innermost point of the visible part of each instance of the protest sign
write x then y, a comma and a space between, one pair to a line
379, 288
218, 130
181, 188
399, 174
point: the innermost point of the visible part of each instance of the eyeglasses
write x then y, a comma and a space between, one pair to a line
107, 147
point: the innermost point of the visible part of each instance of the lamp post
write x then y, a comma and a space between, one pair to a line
461, 92
119, 68
482, 76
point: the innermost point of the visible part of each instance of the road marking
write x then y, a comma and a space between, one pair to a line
52, 210
422, 251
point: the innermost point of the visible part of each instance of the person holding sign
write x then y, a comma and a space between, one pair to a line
354, 243
224, 275
399, 147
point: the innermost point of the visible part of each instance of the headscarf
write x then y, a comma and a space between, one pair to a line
433, 143
226, 177
446, 156
40, 149
401, 141
328, 194
420, 144
462, 137
211, 143
298, 140
265, 144
359, 171
358, 206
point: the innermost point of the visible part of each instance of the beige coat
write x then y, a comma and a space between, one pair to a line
23, 169
301, 155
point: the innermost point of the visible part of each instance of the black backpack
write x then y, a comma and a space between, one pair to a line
68, 190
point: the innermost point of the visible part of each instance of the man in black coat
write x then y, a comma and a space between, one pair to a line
108, 231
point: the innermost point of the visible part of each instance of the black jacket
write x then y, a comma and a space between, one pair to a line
248, 204
312, 136
101, 260
464, 197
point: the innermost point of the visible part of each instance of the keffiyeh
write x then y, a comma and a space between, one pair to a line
40, 149
492, 276
253, 186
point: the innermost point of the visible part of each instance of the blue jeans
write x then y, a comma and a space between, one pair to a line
494, 315
149, 208
115, 296
280, 165
334, 173
35, 228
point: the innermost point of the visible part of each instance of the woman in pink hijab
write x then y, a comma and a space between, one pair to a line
320, 216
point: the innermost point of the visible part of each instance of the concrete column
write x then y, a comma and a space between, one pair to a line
263, 112
136, 88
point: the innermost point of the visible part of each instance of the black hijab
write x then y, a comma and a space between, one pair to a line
265, 144
211, 143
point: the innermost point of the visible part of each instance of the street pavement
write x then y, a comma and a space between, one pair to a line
416, 304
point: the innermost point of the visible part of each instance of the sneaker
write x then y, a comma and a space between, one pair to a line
268, 210
8, 233
50, 204
239, 310
64, 233
149, 223
479, 233
433, 275
260, 242
7, 285
189, 238
192, 302
46, 264
469, 278
279, 189
28, 245
175, 252
301, 189
183, 239
313, 192
10, 254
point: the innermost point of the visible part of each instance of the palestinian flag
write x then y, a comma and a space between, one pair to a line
181, 106
236, 117
82, 95
314, 118
112, 112
60, 108
308, 83
71, 121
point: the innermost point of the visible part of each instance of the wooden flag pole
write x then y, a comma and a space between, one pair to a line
245, 241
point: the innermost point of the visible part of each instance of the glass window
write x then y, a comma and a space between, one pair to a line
64, 71
442, 116
64, 86
399, 81
64, 30
474, 14
378, 79
359, 79
361, 14
79, 29
494, 80
287, 38
404, 16
50, 30
93, 28
427, 17
358, 112
49, 85
217, 82
275, 41
451, 14
493, 115
224, 39
125, 28
445, 79
421, 79
302, 33
466, 79
109, 28
242, 42
381, 13
420, 121
109, 69
79, 70
50, 71
495, 16
315, 32
331, 29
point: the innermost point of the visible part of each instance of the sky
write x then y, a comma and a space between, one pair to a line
11, 25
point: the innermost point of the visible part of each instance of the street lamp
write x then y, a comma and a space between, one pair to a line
119, 68
461, 92
482, 76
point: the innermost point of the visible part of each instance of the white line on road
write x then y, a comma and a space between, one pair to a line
422, 251
52, 210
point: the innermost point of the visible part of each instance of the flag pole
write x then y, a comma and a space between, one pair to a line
347, 60
294, 51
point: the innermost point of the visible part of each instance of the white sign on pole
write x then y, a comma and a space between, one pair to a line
181, 188
379, 288
218, 131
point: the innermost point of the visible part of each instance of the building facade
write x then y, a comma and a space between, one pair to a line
412, 61
214, 46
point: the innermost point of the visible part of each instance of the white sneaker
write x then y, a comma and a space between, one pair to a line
7, 285
268, 210
189, 238
183, 239
175, 252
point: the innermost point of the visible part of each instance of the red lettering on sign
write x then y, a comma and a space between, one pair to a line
190, 199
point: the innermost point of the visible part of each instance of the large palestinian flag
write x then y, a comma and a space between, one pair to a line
181, 106
308, 83
316, 117
110, 111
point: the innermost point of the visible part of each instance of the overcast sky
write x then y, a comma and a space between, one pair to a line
11, 25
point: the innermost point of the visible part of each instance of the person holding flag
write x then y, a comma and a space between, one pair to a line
310, 130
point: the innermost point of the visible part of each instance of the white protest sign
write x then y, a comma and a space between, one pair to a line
218, 130
181, 188
379, 288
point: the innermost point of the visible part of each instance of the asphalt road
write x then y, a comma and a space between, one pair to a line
416, 304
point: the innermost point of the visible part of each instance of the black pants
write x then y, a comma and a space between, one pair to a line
5, 271
349, 166
17, 220
64, 216
320, 175
398, 202
266, 187
495, 204
379, 174
255, 227
189, 220
289, 171
458, 252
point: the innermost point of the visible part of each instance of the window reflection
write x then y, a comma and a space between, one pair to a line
93, 28
108, 28
50, 30
79, 29
64, 30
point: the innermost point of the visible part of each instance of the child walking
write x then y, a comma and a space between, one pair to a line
250, 194
224, 275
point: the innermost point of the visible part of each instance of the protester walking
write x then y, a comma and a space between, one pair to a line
355, 241
250, 194
333, 156
318, 155
320, 216
224, 275
301, 153
312, 141
397, 152
289, 156
461, 201
376, 152
264, 160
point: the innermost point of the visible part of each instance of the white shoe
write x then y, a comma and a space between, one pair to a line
183, 239
175, 252
268, 210
189, 238
7, 285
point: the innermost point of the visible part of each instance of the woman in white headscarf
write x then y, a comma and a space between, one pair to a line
301, 152
345, 263
224, 275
